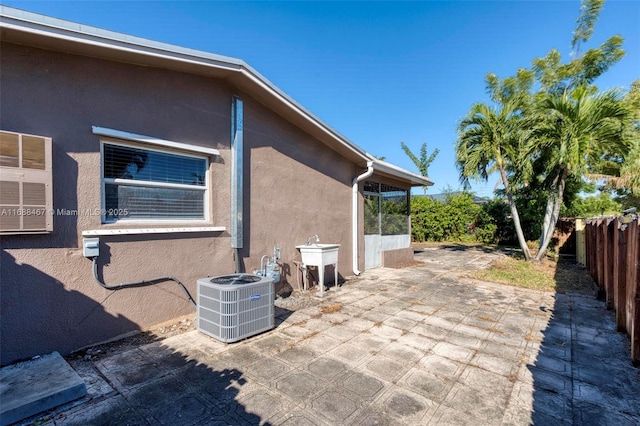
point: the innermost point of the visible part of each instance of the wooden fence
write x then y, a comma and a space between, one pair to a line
613, 260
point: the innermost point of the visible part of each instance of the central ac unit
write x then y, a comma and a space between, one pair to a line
234, 307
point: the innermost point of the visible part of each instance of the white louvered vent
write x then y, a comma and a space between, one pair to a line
26, 190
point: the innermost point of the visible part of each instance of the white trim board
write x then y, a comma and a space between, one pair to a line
138, 231
118, 134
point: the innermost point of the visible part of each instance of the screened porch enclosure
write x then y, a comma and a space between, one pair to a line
386, 221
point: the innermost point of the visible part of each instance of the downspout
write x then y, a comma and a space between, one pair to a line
354, 219
237, 193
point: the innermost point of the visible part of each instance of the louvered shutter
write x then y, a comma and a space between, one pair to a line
26, 192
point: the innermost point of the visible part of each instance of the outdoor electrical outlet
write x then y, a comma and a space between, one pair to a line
91, 247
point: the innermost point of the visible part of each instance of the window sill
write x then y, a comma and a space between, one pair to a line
138, 231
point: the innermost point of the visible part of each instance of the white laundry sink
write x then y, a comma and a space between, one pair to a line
320, 255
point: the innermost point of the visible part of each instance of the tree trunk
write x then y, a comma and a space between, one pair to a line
547, 216
548, 213
559, 193
515, 216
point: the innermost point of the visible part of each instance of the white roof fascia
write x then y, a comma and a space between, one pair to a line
53, 27
393, 170
275, 91
66, 30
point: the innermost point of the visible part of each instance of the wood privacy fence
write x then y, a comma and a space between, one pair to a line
613, 260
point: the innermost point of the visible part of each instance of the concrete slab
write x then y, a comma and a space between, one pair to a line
37, 385
408, 346
363, 385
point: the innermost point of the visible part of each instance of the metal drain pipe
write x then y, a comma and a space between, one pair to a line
237, 191
354, 219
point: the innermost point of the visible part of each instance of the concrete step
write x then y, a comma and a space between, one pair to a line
31, 387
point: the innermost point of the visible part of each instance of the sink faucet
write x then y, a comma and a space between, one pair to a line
308, 243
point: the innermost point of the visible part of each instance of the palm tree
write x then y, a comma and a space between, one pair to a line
575, 131
630, 171
622, 172
423, 162
490, 140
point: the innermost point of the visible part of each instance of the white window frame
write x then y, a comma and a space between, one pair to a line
129, 140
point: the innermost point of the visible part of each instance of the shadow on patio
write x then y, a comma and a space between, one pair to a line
157, 384
582, 373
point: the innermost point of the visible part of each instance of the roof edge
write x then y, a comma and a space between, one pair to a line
29, 22
34, 22
42, 25
398, 172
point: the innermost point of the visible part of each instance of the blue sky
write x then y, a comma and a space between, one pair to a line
377, 72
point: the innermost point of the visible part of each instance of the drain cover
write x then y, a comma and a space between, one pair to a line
235, 279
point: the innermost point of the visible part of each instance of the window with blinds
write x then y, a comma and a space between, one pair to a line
26, 190
149, 184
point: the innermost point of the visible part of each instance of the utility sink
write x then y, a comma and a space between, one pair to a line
317, 254
320, 255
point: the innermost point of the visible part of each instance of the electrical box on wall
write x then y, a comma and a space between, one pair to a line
91, 247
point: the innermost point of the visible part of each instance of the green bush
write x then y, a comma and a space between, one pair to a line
498, 210
594, 205
458, 218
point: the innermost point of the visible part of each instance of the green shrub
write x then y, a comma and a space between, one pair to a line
458, 218
594, 205
498, 210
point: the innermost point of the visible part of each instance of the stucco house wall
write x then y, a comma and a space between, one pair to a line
293, 182
49, 298
83, 86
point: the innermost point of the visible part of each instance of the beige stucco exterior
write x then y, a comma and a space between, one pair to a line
63, 96
295, 185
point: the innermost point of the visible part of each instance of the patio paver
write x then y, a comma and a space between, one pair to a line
418, 345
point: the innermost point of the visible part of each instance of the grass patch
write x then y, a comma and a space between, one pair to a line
561, 277
518, 273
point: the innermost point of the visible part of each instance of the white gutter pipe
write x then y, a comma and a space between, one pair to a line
354, 219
